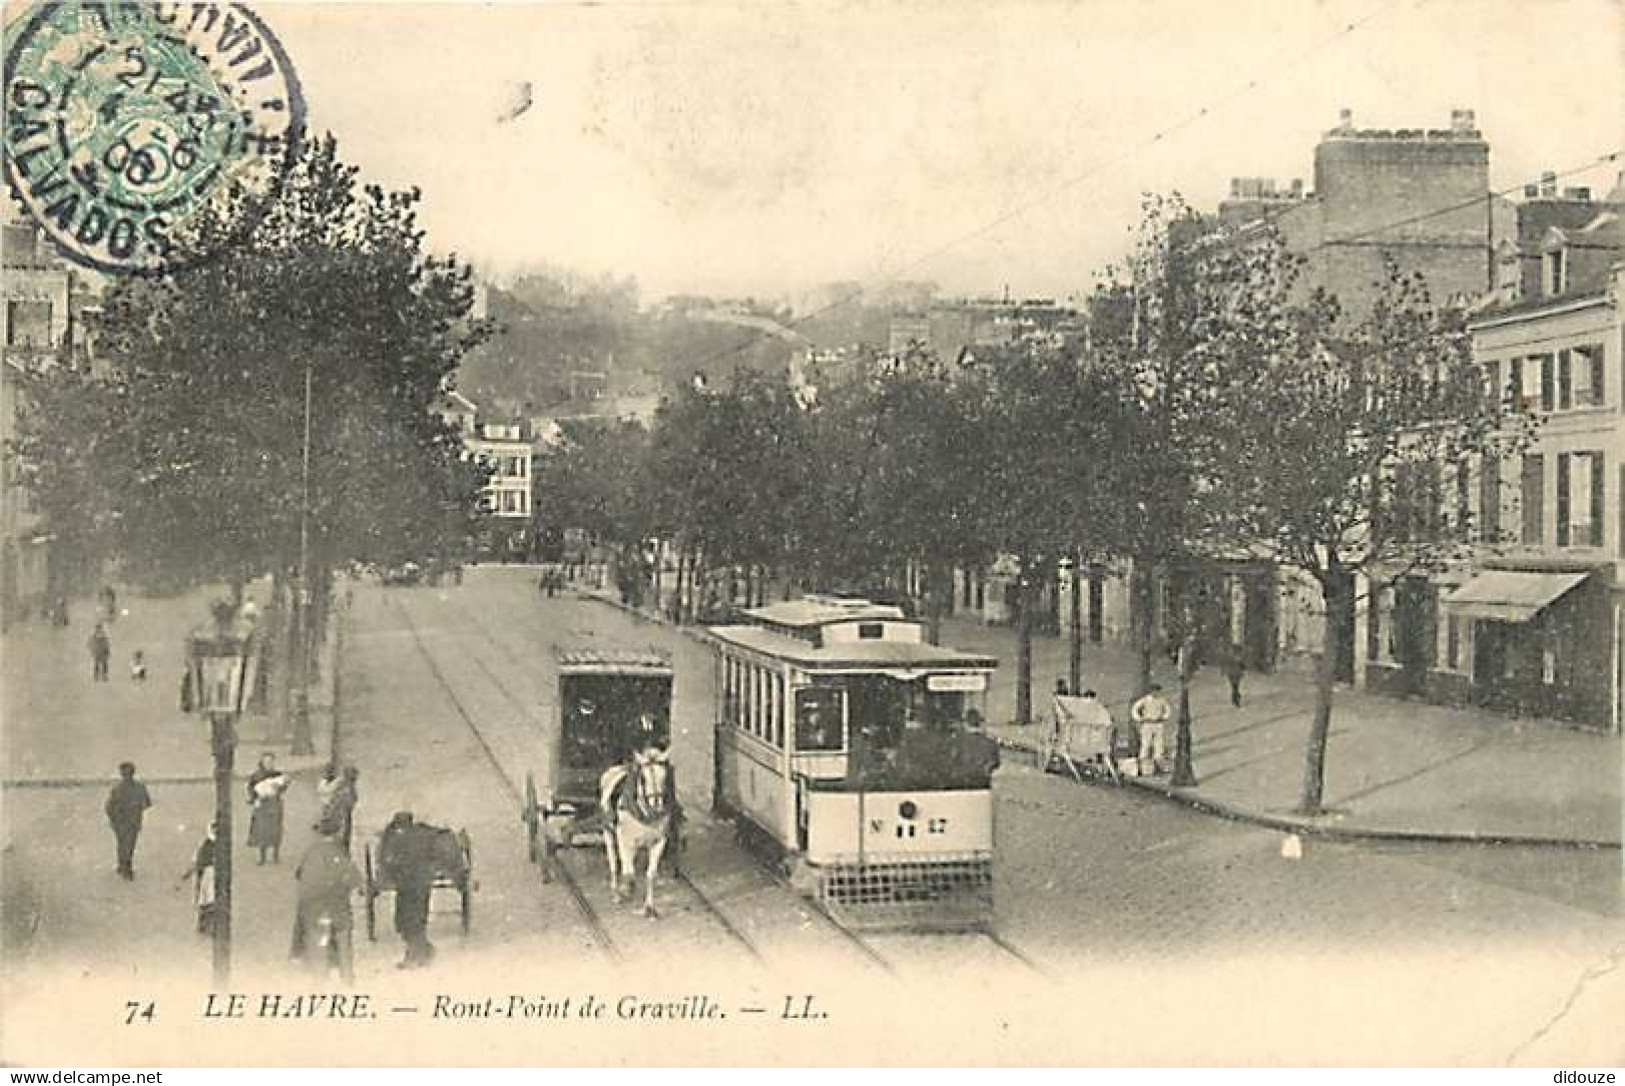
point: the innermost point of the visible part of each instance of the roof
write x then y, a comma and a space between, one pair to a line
609, 661
1504, 595
883, 654
1527, 307
822, 610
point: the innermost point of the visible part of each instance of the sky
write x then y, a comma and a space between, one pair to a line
765, 148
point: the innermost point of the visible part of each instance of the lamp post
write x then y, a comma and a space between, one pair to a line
222, 674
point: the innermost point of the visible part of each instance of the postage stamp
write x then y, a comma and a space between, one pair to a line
129, 126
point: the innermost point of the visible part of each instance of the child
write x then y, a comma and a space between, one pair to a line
138, 666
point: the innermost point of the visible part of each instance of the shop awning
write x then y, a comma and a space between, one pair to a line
1504, 595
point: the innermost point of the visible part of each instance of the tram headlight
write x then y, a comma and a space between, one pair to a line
907, 810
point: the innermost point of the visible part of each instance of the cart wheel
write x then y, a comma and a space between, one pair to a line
532, 817
369, 888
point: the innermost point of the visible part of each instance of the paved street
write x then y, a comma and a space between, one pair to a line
1133, 903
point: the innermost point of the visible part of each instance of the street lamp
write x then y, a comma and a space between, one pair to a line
222, 674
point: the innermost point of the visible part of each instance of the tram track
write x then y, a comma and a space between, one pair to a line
561, 865
599, 934
769, 875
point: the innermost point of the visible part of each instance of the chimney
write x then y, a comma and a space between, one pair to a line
1462, 121
1531, 192
1235, 188
1297, 188
1548, 185
1345, 120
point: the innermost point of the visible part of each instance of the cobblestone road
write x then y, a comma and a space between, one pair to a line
1174, 936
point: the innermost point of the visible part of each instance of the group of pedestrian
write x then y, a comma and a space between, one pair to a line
100, 642
1139, 745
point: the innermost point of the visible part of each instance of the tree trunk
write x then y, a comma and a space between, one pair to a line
1314, 765
1074, 662
1024, 645
1184, 774
679, 596
934, 602
1144, 624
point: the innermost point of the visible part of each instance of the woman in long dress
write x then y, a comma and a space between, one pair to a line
265, 787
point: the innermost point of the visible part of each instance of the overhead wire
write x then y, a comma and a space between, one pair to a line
1013, 213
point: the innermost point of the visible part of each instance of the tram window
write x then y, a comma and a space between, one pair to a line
756, 728
871, 631
818, 720
747, 695
730, 691
778, 710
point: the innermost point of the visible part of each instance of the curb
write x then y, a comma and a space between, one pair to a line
289, 764
1231, 813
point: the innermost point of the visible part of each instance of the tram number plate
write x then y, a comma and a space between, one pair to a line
905, 828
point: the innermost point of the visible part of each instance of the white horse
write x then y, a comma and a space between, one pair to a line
638, 803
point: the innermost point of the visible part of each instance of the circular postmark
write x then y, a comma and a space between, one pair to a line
129, 126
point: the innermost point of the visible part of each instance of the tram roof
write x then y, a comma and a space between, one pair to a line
613, 661
850, 653
822, 610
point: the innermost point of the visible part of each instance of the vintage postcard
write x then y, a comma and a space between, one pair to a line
1072, 533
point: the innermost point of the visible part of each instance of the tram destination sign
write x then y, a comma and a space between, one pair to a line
956, 684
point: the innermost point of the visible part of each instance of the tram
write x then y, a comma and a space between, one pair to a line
610, 702
853, 749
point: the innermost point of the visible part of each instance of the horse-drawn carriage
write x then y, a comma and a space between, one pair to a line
612, 703
451, 859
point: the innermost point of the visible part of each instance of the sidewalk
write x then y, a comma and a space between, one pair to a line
1394, 768
62, 729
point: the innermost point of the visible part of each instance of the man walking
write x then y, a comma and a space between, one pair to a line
101, 650
1235, 666
1150, 714
126, 805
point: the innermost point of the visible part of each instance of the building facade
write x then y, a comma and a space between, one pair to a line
44, 311
1535, 623
507, 449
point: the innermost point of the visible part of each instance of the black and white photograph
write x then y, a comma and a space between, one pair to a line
712, 533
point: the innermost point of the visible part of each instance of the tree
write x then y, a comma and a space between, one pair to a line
1188, 312
333, 303
1340, 435
1050, 427
728, 470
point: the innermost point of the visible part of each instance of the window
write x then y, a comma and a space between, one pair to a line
730, 691
1565, 380
1382, 640
820, 726
28, 323
1455, 641
1464, 499
1548, 381
776, 703
1533, 500
752, 717
871, 631
1526, 393
1494, 386
1580, 479
1589, 377
1556, 272
1489, 499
